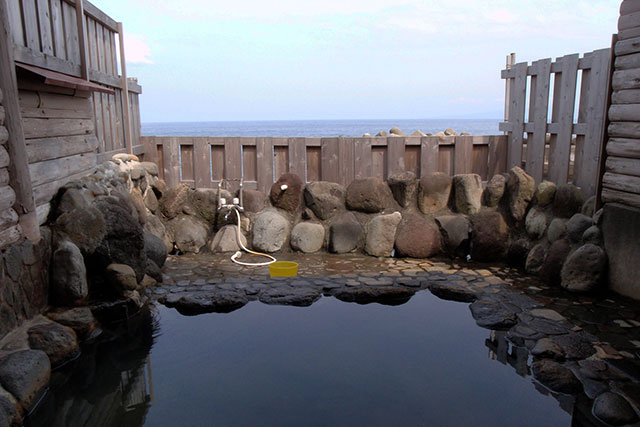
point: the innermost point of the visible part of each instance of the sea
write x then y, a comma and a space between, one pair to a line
318, 128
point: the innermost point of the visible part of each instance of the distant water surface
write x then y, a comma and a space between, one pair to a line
317, 128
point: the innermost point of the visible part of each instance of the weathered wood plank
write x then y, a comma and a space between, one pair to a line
631, 96
463, 155
538, 111
613, 196
249, 166
626, 79
7, 197
44, 23
379, 161
71, 35
429, 156
480, 164
629, 6
92, 44
15, 17
565, 95
8, 217
516, 114
395, 154
631, 33
624, 112
57, 27
626, 47
497, 155
40, 128
412, 150
170, 161
627, 62
624, 130
52, 170
330, 160
232, 161
297, 157
630, 184
201, 161
30, 21
362, 158
52, 101
186, 159
100, 16
621, 147
622, 166
39, 59
264, 163
45, 192
45, 113
346, 160
628, 21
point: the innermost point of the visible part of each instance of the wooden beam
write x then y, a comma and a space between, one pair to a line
82, 40
20, 180
125, 92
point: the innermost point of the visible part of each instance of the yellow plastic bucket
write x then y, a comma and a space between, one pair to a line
283, 269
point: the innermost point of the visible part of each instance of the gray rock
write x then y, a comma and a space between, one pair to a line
59, 342
588, 207
138, 203
545, 193
150, 201
172, 202
151, 271
568, 201
253, 200
553, 261
468, 193
492, 315
382, 133
494, 191
592, 235
270, 231
295, 296
395, 131
557, 229
369, 195
535, 259
450, 132
490, 235
433, 192
547, 349
536, 223
345, 233
324, 198
150, 167
223, 301
290, 198
575, 345
80, 319
417, 132
307, 237
9, 414
520, 188
25, 374
204, 203
418, 236
68, 274
85, 227
584, 268
189, 232
155, 226
404, 187
556, 377
577, 225
381, 234
455, 231
72, 198
155, 249
121, 277
159, 186
452, 292
226, 240
614, 410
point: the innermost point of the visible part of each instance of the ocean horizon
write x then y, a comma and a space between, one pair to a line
317, 128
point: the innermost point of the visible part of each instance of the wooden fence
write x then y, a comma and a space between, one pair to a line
49, 35
201, 162
561, 149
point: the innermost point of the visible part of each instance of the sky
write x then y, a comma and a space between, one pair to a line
200, 60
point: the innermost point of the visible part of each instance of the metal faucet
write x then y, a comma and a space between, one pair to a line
236, 202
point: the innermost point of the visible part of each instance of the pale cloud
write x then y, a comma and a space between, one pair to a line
136, 49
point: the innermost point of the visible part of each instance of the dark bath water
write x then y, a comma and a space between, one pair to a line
334, 363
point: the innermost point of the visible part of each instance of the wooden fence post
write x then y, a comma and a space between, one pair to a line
19, 176
82, 40
125, 93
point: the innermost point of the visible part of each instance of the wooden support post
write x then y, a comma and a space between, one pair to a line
82, 40
511, 59
19, 177
126, 113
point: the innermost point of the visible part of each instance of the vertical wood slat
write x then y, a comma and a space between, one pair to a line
44, 21
249, 169
82, 39
565, 94
297, 157
429, 155
330, 160
280, 157
346, 156
379, 161
15, 17
187, 159
57, 27
171, 161
232, 159
92, 44
538, 113
362, 157
107, 123
264, 163
463, 155
412, 151
108, 69
395, 154
516, 114
596, 111
30, 20
70, 33
125, 92
100, 54
202, 162
216, 149
314, 162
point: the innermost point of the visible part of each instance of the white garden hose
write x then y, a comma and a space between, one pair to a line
239, 254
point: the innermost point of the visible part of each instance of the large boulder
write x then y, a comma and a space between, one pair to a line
455, 231
84, 226
614, 409
557, 229
172, 202
68, 274
545, 193
577, 225
467, 189
150, 201
381, 234
584, 268
345, 233
535, 259
404, 187
307, 237
204, 202
324, 198
253, 200
396, 131
155, 249
156, 227
270, 231
554, 260
9, 414
121, 277
434, 192
490, 235
418, 237
521, 188
494, 191
80, 319
370, 195
25, 374
59, 342
555, 376
138, 203
286, 192
568, 201
535, 223
189, 232
226, 240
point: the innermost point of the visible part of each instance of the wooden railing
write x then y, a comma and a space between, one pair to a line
565, 148
47, 34
201, 162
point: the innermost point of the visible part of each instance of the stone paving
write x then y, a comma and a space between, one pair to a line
587, 347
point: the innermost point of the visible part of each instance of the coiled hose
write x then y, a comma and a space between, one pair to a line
239, 254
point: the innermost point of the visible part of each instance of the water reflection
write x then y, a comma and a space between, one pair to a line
109, 385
